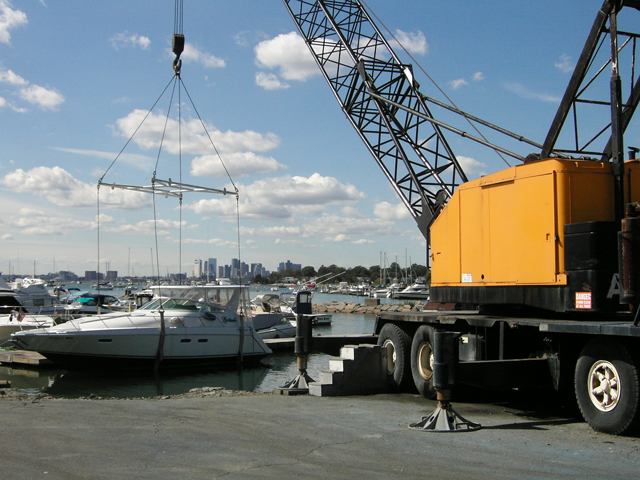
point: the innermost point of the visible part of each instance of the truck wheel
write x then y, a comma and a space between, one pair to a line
397, 343
607, 387
422, 361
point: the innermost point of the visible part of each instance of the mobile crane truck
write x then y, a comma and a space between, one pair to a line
536, 267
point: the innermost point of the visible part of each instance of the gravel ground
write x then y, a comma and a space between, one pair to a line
215, 433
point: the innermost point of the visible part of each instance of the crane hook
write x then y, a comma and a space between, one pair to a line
177, 47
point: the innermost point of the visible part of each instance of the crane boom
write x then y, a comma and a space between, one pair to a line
360, 67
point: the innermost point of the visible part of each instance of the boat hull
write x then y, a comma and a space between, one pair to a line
140, 349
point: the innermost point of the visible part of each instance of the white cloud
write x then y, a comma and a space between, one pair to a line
5, 103
194, 54
241, 38
456, 84
523, 92
149, 227
127, 39
7, 236
9, 19
45, 98
362, 241
289, 54
478, 77
295, 231
60, 188
141, 161
472, 167
269, 81
565, 64
11, 78
334, 225
413, 42
282, 197
193, 140
338, 238
386, 211
238, 164
29, 221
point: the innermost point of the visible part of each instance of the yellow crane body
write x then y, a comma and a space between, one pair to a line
506, 238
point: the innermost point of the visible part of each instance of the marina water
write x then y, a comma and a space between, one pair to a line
274, 371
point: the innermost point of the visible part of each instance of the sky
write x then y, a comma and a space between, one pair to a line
78, 77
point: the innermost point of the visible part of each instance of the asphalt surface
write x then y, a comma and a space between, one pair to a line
279, 437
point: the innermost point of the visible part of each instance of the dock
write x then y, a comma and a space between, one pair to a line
24, 357
330, 344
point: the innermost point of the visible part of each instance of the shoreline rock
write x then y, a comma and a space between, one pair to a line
353, 307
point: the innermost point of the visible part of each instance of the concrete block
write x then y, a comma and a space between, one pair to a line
364, 372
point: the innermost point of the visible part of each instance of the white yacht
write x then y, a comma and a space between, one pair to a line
27, 295
181, 325
418, 291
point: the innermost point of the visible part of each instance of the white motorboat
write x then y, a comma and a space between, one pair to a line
17, 321
27, 295
181, 325
91, 304
417, 291
283, 328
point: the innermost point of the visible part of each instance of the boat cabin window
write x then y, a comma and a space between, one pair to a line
197, 299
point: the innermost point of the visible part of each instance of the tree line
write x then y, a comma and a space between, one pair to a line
373, 275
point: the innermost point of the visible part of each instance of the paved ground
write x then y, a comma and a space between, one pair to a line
281, 437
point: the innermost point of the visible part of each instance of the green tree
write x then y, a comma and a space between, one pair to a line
308, 271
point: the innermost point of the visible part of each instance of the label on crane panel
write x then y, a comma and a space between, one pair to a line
583, 300
467, 278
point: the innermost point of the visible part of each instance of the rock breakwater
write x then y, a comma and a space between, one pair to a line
353, 307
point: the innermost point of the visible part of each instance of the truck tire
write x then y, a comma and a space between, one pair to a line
422, 361
398, 344
607, 387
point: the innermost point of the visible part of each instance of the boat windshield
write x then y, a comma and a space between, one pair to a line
172, 304
197, 299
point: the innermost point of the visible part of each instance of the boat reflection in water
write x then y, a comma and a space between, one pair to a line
270, 373
75, 384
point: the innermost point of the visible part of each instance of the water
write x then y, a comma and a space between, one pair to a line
274, 371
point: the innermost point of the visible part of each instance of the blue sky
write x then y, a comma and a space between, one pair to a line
76, 77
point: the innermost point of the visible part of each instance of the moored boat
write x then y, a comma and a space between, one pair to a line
181, 325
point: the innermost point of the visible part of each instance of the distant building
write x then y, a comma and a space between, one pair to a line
112, 275
197, 268
224, 271
289, 266
90, 275
212, 267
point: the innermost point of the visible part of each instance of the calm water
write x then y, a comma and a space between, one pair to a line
274, 371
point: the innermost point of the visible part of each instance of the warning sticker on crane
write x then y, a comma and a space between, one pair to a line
467, 278
583, 300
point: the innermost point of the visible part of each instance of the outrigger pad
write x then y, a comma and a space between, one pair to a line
297, 386
445, 419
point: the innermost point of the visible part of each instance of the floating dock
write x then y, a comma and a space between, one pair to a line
330, 344
24, 357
